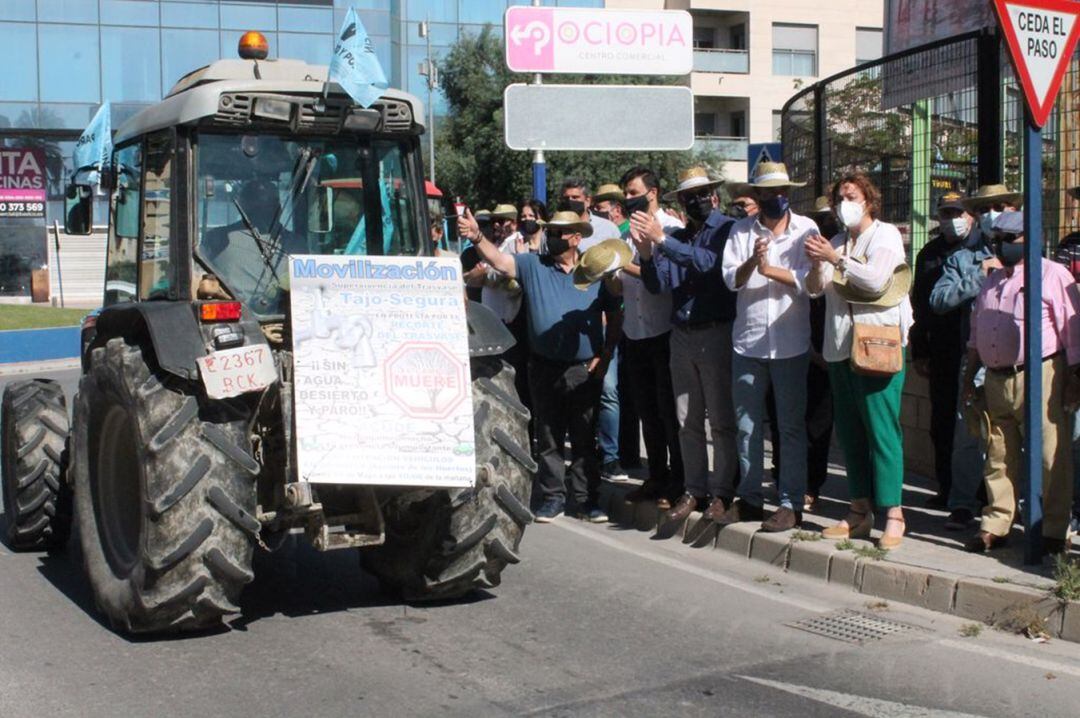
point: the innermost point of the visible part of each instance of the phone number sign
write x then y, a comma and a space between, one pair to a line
22, 182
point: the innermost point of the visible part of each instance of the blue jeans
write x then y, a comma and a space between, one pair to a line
750, 383
968, 459
608, 424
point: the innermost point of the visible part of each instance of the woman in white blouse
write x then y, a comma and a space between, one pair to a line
867, 408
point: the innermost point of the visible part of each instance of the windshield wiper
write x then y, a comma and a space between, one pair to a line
264, 250
298, 182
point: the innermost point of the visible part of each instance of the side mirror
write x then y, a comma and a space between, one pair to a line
321, 217
78, 210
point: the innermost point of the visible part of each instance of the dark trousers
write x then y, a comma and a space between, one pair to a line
629, 431
566, 400
819, 425
944, 388
517, 356
648, 374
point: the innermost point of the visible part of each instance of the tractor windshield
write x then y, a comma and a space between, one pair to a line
262, 198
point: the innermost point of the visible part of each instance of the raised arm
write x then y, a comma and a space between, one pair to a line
489, 253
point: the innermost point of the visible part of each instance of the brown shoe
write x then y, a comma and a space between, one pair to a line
782, 520
741, 511
984, 541
683, 507
717, 508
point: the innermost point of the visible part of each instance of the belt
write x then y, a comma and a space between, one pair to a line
1015, 369
700, 326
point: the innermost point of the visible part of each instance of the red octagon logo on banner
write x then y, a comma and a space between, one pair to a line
425, 379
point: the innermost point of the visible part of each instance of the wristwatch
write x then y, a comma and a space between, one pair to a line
841, 263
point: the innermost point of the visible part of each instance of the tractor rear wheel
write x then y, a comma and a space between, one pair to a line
37, 499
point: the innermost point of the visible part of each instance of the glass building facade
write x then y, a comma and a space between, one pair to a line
63, 58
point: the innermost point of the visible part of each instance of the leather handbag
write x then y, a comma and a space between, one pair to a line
875, 351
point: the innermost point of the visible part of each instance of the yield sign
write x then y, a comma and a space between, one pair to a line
1041, 35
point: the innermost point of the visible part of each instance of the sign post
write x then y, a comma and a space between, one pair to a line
1041, 35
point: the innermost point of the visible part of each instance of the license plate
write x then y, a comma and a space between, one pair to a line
232, 372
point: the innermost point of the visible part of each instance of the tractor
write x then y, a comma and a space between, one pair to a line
170, 491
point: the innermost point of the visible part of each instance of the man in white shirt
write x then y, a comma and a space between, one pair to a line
765, 263
646, 332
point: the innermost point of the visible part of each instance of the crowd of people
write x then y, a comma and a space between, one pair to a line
698, 322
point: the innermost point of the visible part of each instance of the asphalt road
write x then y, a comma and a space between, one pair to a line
596, 621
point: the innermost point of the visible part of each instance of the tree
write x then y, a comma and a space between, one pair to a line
473, 159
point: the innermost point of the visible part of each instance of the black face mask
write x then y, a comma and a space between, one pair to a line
636, 204
1009, 252
557, 244
605, 215
774, 207
572, 205
529, 227
737, 211
698, 208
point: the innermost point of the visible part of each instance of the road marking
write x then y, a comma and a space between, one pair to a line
1025, 660
705, 573
859, 704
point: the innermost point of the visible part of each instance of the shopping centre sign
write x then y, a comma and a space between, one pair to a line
1041, 35
588, 41
22, 182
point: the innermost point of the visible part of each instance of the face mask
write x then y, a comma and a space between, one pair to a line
529, 227
986, 222
850, 213
698, 208
572, 205
637, 204
955, 228
774, 207
1010, 253
737, 211
557, 245
605, 215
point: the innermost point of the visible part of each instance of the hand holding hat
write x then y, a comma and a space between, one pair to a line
601, 260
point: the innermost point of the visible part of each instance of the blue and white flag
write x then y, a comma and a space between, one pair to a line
354, 64
94, 147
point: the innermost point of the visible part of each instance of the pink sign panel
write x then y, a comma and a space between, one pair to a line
22, 182
588, 41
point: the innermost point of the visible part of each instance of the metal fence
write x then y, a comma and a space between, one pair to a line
939, 118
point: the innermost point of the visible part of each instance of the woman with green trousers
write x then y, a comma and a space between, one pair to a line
864, 259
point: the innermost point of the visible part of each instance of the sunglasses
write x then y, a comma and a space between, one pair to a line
743, 205
1007, 237
996, 206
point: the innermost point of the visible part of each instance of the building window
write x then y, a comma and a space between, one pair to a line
704, 38
704, 124
795, 49
737, 124
69, 67
185, 50
737, 37
131, 64
868, 44
18, 49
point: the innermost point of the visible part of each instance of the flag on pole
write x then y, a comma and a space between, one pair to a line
94, 147
354, 64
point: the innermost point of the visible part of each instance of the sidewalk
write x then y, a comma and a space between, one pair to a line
930, 569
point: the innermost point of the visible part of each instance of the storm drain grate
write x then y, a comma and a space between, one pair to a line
852, 626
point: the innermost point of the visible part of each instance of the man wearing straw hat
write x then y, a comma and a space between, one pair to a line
765, 263
686, 263
608, 203
571, 345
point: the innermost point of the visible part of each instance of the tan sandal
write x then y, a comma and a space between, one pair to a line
862, 530
891, 542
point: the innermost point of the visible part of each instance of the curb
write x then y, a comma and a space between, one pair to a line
39, 367
1005, 605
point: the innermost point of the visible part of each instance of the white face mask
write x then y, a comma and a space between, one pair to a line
986, 222
957, 228
850, 213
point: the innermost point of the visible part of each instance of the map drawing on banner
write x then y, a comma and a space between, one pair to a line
381, 370
1041, 35
599, 41
22, 182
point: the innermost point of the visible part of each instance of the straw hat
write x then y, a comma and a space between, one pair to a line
608, 192
991, 193
772, 174
693, 178
821, 206
600, 260
504, 211
892, 295
482, 215
569, 222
